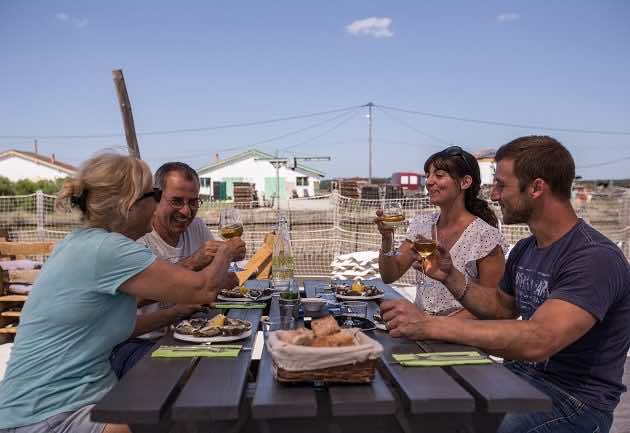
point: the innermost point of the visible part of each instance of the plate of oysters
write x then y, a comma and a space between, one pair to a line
217, 329
357, 291
244, 294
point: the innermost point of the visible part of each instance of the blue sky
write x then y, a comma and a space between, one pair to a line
200, 64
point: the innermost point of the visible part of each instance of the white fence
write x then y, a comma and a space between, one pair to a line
322, 227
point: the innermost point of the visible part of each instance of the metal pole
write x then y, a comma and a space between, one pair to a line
277, 164
370, 105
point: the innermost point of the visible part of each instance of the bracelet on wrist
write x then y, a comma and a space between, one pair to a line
462, 291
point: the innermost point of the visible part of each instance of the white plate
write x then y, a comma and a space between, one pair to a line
360, 298
217, 339
228, 299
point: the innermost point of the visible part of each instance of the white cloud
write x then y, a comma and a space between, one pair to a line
504, 18
377, 27
78, 22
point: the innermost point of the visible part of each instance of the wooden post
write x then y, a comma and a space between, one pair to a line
125, 110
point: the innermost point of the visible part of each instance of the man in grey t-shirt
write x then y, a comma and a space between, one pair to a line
568, 282
180, 238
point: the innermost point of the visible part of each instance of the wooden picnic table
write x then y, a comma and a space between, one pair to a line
209, 394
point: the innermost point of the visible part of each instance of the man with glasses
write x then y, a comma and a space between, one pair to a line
179, 237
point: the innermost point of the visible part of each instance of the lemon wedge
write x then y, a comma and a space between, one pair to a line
217, 321
358, 287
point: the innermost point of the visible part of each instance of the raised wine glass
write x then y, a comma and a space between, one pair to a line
425, 247
230, 226
393, 217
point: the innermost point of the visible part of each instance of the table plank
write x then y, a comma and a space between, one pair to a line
369, 399
274, 400
496, 388
215, 388
425, 390
145, 392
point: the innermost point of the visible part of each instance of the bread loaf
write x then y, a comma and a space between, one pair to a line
334, 340
325, 326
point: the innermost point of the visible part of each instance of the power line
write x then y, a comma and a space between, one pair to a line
328, 131
297, 131
413, 128
511, 125
185, 130
601, 164
346, 116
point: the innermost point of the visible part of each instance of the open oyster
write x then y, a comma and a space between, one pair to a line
219, 325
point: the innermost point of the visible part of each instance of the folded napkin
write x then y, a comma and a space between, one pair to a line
440, 359
214, 351
227, 305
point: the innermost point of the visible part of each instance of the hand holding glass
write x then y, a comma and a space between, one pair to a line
230, 226
425, 247
393, 217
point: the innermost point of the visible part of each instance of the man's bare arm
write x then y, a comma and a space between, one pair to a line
483, 302
554, 326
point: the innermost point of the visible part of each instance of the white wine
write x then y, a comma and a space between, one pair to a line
393, 221
425, 248
231, 231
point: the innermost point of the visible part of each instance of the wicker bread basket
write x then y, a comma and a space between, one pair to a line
348, 364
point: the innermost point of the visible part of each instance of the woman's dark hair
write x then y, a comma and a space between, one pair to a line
459, 163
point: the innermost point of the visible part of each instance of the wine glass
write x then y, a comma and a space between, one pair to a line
393, 217
425, 247
230, 226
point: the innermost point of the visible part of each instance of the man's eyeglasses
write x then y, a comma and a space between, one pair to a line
179, 203
458, 151
156, 193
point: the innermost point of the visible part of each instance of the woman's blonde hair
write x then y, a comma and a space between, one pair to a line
105, 188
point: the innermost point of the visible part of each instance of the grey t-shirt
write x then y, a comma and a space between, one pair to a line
190, 241
588, 270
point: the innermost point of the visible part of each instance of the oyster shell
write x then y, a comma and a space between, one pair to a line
185, 327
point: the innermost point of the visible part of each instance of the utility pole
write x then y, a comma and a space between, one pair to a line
278, 162
370, 105
35, 145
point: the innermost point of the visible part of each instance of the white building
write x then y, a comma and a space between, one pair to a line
487, 165
244, 167
18, 164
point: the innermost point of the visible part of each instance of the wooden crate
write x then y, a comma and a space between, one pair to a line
10, 304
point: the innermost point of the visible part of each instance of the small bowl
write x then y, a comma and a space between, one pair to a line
312, 304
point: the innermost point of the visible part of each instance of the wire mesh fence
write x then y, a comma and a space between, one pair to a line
322, 227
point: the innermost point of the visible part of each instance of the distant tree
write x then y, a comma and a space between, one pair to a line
25, 186
6, 186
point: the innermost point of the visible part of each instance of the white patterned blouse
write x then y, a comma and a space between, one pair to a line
476, 242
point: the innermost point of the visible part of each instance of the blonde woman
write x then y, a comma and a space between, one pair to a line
84, 301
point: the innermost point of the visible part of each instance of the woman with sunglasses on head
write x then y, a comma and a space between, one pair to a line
466, 227
84, 300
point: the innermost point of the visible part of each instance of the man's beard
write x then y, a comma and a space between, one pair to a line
519, 214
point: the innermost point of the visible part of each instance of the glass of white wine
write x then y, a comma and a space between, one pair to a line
230, 226
393, 217
425, 247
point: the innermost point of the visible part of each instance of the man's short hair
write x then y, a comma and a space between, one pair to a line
159, 180
540, 156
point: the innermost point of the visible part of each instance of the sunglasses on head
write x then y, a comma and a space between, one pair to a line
457, 151
156, 193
